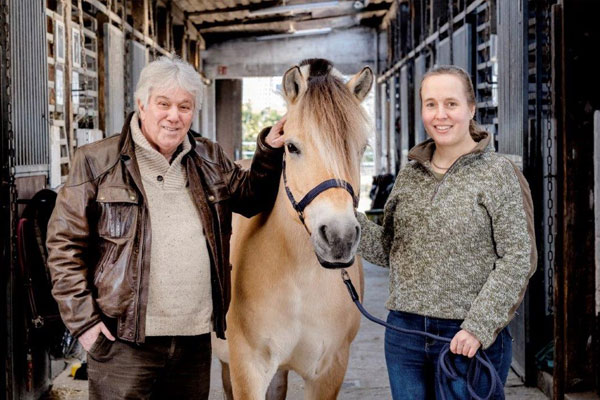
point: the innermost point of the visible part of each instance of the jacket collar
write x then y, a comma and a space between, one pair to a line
423, 152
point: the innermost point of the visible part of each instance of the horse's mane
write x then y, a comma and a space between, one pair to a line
334, 119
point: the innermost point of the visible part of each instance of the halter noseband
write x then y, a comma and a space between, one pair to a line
314, 192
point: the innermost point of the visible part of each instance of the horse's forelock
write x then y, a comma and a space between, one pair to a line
336, 122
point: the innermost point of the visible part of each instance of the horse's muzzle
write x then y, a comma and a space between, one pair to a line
334, 265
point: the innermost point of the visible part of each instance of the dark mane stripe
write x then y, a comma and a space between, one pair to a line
318, 66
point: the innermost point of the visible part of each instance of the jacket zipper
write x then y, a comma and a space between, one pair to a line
220, 280
139, 288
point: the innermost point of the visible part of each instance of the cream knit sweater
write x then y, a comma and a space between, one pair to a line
179, 298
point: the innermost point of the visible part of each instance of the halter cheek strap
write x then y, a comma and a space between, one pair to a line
314, 192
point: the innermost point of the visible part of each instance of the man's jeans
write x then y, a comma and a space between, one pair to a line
166, 367
411, 359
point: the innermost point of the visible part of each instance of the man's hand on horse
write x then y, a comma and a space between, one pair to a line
88, 337
464, 343
275, 136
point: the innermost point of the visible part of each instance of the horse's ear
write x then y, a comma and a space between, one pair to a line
361, 83
293, 84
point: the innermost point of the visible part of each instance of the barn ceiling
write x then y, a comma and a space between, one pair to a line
220, 20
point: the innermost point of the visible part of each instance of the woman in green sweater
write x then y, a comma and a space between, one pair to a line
458, 238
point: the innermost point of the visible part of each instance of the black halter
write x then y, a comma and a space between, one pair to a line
314, 192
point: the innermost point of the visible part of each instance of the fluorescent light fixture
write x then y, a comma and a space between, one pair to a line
293, 8
360, 4
306, 32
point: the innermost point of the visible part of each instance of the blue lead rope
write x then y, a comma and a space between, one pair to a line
445, 369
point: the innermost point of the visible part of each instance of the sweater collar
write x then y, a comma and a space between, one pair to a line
140, 140
423, 152
126, 144
149, 156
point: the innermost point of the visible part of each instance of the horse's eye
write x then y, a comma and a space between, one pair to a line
292, 149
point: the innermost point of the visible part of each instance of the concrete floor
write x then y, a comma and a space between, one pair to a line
366, 377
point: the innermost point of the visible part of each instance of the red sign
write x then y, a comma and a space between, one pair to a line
222, 70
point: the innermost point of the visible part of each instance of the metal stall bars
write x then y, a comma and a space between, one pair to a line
114, 80
85, 75
512, 68
486, 67
392, 85
445, 45
59, 146
397, 124
540, 166
26, 121
29, 77
419, 71
512, 125
127, 84
8, 209
407, 141
74, 109
118, 57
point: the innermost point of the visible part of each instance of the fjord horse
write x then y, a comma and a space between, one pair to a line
290, 309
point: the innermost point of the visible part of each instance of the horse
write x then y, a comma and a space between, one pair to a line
290, 309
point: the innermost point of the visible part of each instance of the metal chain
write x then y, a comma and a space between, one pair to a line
547, 54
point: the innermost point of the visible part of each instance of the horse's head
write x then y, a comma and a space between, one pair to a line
325, 136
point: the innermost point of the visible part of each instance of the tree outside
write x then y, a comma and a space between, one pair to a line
252, 123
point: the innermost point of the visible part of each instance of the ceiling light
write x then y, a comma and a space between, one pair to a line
359, 4
293, 8
306, 32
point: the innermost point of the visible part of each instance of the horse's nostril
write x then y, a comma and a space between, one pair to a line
323, 231
357, 231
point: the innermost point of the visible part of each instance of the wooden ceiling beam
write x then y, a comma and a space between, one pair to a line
375, 9
284, 25
249, 7
254, 21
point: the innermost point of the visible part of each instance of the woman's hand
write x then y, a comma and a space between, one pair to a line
464, 343
275, 136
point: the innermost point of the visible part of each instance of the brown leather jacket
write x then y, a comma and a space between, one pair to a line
99, 234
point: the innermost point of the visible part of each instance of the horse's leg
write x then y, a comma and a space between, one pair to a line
278, 387
250, 375
226, 379
327, 385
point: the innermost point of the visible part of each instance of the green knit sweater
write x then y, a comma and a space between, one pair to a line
459, 248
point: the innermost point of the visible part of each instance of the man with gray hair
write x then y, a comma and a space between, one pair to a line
139, 241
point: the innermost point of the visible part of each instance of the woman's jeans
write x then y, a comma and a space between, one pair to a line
411, 359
